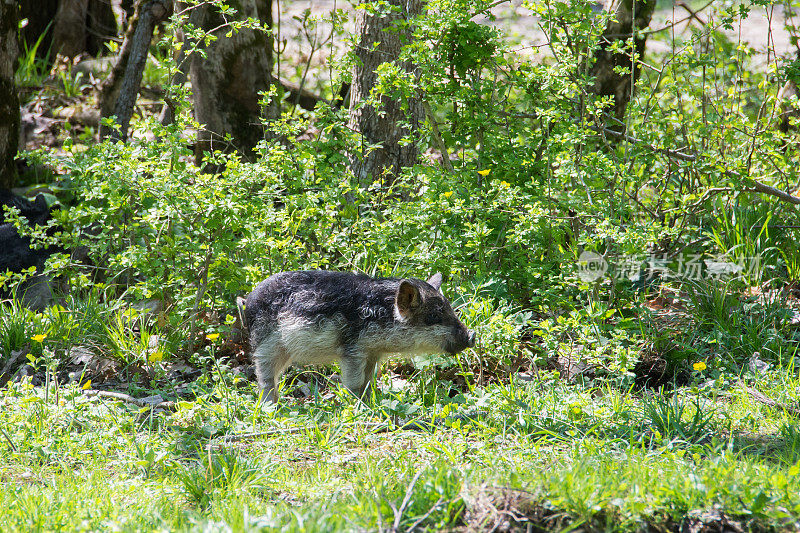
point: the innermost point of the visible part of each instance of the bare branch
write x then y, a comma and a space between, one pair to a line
761, 398
127, 398
755, 185
406, 499
692, 15
633, 140
437, 137
772, 191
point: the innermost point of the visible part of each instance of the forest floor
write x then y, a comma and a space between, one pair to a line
534, 453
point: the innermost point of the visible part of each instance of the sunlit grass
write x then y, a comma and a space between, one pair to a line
595, 454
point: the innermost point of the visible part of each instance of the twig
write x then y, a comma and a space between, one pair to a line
201, 290
707, 194
301, 86
10, 442
693, 15
299, 94
426, 515
437, 137
398, 515
167, 115
766, 189
633, 140
245, 436
761, 398
286, 431
128, 399
755, 185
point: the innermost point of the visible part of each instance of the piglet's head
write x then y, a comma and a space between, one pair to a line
420, 305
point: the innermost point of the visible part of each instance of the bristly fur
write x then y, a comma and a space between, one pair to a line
317, 317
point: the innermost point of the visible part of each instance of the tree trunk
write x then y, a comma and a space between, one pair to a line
69, 28
83, 26
109, 90
226, 83
153, 11
119, 91
380, 41
9, 104
629, 16
101, 26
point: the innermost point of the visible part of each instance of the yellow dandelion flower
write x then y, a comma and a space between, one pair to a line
484, 172
87, 385
212, 336
699, 366
447, 194
39, 338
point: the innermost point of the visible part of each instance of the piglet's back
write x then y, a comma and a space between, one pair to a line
319, 293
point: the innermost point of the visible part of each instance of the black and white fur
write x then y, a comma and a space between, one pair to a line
318, 317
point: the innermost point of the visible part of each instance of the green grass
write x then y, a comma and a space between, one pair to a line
434, 455
732, 328
596, 455
32, 70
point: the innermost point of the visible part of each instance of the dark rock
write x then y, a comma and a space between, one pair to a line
36, 212
16, 253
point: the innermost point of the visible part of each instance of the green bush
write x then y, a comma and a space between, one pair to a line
534, 180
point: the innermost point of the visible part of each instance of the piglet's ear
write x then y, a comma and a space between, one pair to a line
435, 281
407, 299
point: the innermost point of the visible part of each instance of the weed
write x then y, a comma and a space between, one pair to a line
214, 473
32, 70
791, 449
713, 302
17, 325
745, 236
670, 420
131, 340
